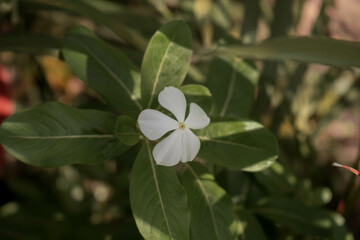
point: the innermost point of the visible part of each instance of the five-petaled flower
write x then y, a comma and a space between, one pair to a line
182, 144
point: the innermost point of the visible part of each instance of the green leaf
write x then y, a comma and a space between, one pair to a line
125, 130
296, 215
28, 43
305, 49
158, 201
212, 211
198, 94
87, 9
105, 69
54, 134
249, 226
238, 144
232, 83
166, 60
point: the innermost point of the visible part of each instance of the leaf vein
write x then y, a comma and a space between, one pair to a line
157, 188
158, 73
206, 199
203, 138
132, 96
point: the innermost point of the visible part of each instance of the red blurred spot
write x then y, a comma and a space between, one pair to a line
341, 207
7, 106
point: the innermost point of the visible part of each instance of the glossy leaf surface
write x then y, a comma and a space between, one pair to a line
212, 211
166, 60
158, 202
238, 144
232, 83
54, 134
105, 69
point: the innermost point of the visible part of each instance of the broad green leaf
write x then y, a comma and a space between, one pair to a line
304, 49
238, 144
28, 43
125, 130
232, 83
212, 211
198, 94
89, 10
166, 60
105, 69
296, 215
54, 134
249, 226
158, 201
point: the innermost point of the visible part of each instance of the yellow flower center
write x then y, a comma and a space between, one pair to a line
182, 126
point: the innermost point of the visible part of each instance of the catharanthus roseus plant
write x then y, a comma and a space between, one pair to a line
159, 202
198, 161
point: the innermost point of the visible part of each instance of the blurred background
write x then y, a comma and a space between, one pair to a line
313, 110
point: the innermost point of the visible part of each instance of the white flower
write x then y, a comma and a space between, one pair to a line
182, 144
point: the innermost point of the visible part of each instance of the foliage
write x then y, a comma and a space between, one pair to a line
240, 186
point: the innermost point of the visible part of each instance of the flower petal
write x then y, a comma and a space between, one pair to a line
190, 146
168, 152
173, 100
154, 124
197, 118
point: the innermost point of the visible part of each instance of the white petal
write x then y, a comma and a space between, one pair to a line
154, 124
190, 146
173, 100
168, 152
197, 118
